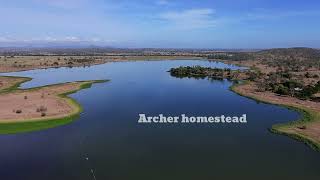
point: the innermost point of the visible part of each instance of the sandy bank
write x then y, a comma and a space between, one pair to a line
307, 129
37, 104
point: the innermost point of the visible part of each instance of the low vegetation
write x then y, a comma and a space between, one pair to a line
287, 77
292, 71
213, 73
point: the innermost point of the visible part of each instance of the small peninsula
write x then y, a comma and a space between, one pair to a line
24, 110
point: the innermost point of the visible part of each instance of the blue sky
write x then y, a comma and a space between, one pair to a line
162, 23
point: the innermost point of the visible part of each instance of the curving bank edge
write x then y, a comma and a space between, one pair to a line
56, 93
294, 129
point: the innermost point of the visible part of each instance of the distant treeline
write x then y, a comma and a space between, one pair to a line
285, 59
232, 56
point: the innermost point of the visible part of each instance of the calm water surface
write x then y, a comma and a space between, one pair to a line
118, 148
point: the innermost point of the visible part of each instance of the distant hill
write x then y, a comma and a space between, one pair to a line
293, 53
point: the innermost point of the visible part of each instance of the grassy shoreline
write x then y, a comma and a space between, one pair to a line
23, 126
105, 59
293, 129
16, 85
307, 116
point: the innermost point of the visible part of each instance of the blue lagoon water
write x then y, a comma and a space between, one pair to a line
108, 142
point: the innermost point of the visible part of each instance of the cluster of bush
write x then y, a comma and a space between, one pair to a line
294, 89
198, 71
282, 82
308, 91
292, 59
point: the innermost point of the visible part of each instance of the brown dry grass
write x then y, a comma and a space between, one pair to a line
23, 63
24, 105
312, 128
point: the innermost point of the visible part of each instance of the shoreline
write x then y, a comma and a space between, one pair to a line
307, 116
304, 129
11, 69
20, 125
289, 129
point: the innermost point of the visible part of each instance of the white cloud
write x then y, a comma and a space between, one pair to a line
71, 39
190, 19
49, 38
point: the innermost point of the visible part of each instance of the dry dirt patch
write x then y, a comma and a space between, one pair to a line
37, 103
311, 129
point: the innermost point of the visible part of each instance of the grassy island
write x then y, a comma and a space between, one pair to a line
25, 110
214, 73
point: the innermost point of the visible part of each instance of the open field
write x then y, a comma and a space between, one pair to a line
23, 63
20, 107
